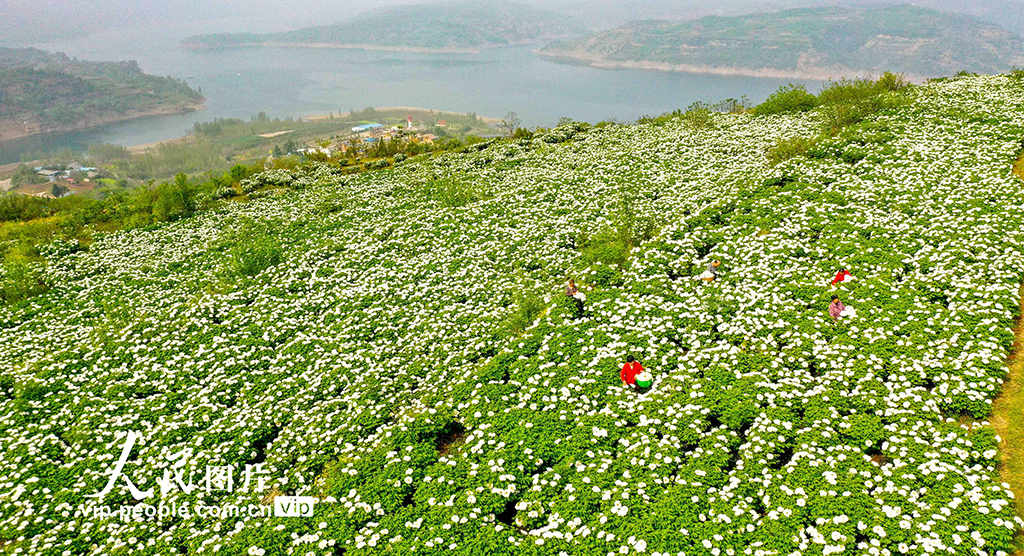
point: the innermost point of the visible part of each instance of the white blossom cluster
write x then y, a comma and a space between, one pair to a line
374, 368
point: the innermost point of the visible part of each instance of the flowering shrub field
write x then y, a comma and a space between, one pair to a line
351, 338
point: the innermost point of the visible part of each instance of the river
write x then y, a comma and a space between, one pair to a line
299, 82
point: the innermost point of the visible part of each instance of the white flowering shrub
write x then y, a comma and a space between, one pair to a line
59, 248
365, 357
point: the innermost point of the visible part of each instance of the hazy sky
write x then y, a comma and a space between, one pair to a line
36, 21
91, 13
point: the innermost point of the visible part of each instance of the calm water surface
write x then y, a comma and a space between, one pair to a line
303, 82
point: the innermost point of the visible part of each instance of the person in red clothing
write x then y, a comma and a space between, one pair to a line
842, 276
630, 370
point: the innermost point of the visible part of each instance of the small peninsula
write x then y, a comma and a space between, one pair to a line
42, 92
806, 43
449, 27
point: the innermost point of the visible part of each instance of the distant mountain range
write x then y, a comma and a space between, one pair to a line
445, 27
808, 43
606, 14
42, 92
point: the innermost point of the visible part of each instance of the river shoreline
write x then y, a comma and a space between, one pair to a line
814, 74
9, 129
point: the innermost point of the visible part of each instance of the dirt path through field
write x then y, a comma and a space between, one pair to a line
1008, 420
1008, 411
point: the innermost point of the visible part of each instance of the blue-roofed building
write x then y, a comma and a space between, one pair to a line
366, 127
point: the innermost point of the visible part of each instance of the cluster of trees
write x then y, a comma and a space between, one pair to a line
236, 127
25, 176
168, 159
163, 161
68, 217
36, 91
106, 152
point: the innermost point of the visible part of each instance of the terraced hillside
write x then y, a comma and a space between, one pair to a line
397, 344
806, 43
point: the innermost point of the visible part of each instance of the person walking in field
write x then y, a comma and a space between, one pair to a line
630, 369
711, 273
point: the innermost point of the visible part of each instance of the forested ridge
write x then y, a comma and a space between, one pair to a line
40, 91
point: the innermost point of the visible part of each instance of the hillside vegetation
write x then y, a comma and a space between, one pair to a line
42, 92
397, 344
460, 25
814, 43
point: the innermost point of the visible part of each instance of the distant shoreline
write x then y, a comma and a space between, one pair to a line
485, 119
11, 129
331, 45
816, 74
141, 148
372, 47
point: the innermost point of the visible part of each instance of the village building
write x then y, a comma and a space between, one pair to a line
366, 127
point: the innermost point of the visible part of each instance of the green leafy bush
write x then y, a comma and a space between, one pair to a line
16, 208
21, 275
699, 116
608, 246
849, 101
174, 200
785, 149
453, 193
527, 308
253, 249
788, 99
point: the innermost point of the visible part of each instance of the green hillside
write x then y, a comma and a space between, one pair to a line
397, 344
41, 92
816, 43
450, 25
